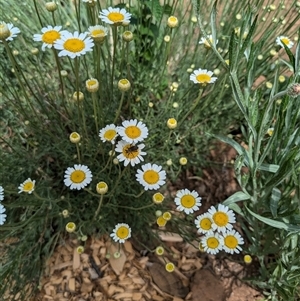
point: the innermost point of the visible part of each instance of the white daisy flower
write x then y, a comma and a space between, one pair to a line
222, 218
204, 223
1, 193
49, 35
187, 201
73, 45
204, 41
151, 176
109, 133
115, 16
202, 76
98, 32
231, 240
27, 186
78, 177
2, 214
133, 131
121, 233
284, 40
211, 243
13, 31
130, 153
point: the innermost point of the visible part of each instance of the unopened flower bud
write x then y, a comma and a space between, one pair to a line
51, 6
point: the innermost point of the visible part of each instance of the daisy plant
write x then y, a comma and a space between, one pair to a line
107, 110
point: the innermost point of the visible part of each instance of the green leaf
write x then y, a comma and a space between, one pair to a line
275, 224
249, 35
269, 167
275, 197
213, 23
236, 197
241, 151
291, 56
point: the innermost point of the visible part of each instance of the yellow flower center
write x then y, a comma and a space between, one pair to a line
158, 197
74, 135
203, 78
77, 176
50, 36
97, 32
133, 132
205, 224
74, 45
161, 222
231, 242
221, 219
110, 134
173, 19
212, 242
170, 267
188, 201
151, 176
91, 82
122, 232
28, 186
115, 17
285, 41
130, 152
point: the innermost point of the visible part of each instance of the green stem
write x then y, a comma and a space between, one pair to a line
37, 12
114, 30
196, 102
99, 207
131, 208
78, 153
120, 107
95, 111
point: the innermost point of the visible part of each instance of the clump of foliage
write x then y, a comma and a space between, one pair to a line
54, 107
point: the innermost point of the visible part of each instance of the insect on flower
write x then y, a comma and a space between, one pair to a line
131, 149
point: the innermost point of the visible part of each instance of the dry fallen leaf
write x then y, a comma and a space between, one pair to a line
116, 264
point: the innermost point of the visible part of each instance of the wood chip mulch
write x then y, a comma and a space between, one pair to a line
95, 276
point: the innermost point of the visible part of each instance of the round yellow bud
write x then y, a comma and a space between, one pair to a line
183, 161
167, 215
172, 123
65, 213
124, 85
169, 162
78, 96
158, 198
269, 85
70, 227
80, 249
170, 267
158, 213
167, 38
172, 21
127, 36
15, 52
34, 51
74, 137
281, 78
161, 222
175, 105
51, 6
64, 73
102, 188
92, 85
260, 57
150, 104
194, 19
270, 131
247, 259
159, 250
